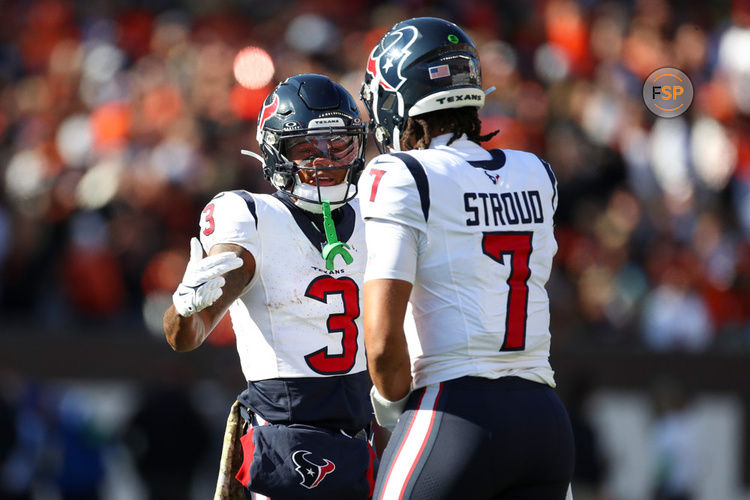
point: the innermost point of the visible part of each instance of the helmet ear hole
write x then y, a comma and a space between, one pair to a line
389, 102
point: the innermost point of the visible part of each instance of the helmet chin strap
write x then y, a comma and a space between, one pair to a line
254, 155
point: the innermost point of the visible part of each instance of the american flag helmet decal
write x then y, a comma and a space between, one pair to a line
439, 71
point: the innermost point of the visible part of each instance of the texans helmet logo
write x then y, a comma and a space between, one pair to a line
493, 177
312, 474
386, 56
268, 111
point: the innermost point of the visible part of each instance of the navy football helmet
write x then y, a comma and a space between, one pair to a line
420, 65
312, 114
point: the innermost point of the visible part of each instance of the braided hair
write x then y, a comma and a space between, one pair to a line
420, 129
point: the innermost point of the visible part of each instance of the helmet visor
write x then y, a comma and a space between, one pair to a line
323, 159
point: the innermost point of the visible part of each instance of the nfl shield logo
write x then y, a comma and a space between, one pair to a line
439, 71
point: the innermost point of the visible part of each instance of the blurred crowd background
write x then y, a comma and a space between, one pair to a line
120, 119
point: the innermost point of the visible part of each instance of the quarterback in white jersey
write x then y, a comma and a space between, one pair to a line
464, 235
289, 269
485, 242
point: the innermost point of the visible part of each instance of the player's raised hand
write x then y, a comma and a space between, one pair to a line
203, 279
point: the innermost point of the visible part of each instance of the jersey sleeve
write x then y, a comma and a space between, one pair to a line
388, 191
552, 184
230, 217
397, 259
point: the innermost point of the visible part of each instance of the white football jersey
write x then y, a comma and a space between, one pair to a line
296, 318
485, 218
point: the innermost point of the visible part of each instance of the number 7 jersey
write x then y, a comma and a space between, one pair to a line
485, 223
296, 318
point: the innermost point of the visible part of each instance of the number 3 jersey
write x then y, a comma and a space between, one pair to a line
298, 325
486, 244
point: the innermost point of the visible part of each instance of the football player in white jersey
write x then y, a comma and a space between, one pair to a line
289, 269
466, 236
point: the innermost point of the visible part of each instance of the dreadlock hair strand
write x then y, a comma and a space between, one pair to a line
420, 129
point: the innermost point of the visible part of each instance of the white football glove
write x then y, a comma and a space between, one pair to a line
387, 412
202, 282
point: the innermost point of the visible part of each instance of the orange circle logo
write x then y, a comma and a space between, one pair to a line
667, 92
